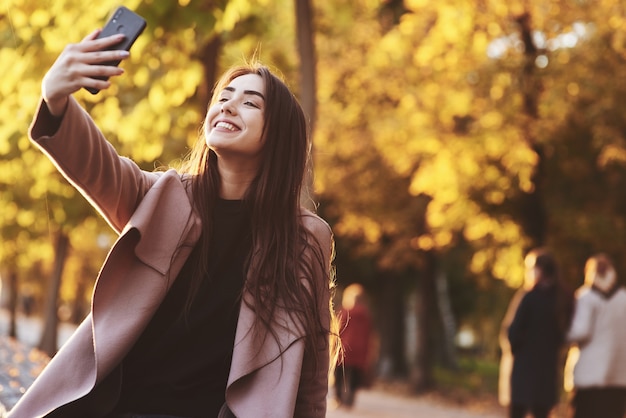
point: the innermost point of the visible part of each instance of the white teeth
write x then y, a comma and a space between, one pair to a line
226, 125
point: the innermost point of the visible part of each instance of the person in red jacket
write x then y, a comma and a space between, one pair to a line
355, 333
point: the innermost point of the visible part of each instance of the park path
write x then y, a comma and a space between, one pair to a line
19, 364
383, 404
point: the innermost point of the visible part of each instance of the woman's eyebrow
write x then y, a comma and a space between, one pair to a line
252, 92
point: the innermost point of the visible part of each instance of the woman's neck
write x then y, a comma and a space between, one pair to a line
235, 181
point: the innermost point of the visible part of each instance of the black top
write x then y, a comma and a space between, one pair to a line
180, 364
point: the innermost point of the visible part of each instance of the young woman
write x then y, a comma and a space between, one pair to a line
536, 336
215, 299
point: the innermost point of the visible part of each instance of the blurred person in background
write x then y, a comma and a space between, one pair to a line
536, 335
352, 371
597, 360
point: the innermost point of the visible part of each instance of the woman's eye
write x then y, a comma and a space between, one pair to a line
251, 104
222, 99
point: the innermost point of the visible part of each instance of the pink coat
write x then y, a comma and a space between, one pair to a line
153, 214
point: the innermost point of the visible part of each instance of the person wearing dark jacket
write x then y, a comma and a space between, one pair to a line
537, 337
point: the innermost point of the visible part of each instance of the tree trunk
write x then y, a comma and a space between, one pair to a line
306, 48
447, 319
308, 83
390, 313
79, 307
13, 295
532, 208
422, 375
48, 342
209, 58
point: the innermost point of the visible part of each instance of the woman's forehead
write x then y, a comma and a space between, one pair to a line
251, 82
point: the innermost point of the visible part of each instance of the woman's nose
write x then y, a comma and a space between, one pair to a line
227, 107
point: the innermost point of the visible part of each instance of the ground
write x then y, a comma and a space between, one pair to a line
20, 364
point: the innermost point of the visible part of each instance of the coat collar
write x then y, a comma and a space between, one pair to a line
163, 219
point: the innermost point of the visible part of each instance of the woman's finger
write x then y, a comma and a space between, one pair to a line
98, 57
93, 35
93, 70
105, 43
91, 42
95, 83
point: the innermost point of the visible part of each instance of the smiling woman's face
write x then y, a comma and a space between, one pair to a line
234, 123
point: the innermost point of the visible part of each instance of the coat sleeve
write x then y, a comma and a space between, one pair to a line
582, 323
112, 184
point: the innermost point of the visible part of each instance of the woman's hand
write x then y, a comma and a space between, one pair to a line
77, 66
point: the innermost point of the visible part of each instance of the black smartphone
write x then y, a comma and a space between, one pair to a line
123, 21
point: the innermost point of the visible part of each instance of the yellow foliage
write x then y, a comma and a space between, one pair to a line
25, 218
181, 84
391, 49
40, 18
231, 15
501, 231
8, 213
479, 262
480, 43
436, 215
108, 113
424, 55
141, 77
495, 197
352, 224
5, 145
496, 92
494, 30
437, 178
423, 242
454, 22
617, 22
415, 4
443, 238
563, 57
491, 120
467, 166
573, 89
508, 265
479, 227
157, 99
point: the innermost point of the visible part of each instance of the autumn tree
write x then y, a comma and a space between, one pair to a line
469, 103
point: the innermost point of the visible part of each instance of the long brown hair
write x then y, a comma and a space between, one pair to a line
284, 253
545, 261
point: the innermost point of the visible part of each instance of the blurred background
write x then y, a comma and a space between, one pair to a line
450, 137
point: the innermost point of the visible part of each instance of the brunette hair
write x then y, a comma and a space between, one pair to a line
545, 261
551, 277
285, 257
